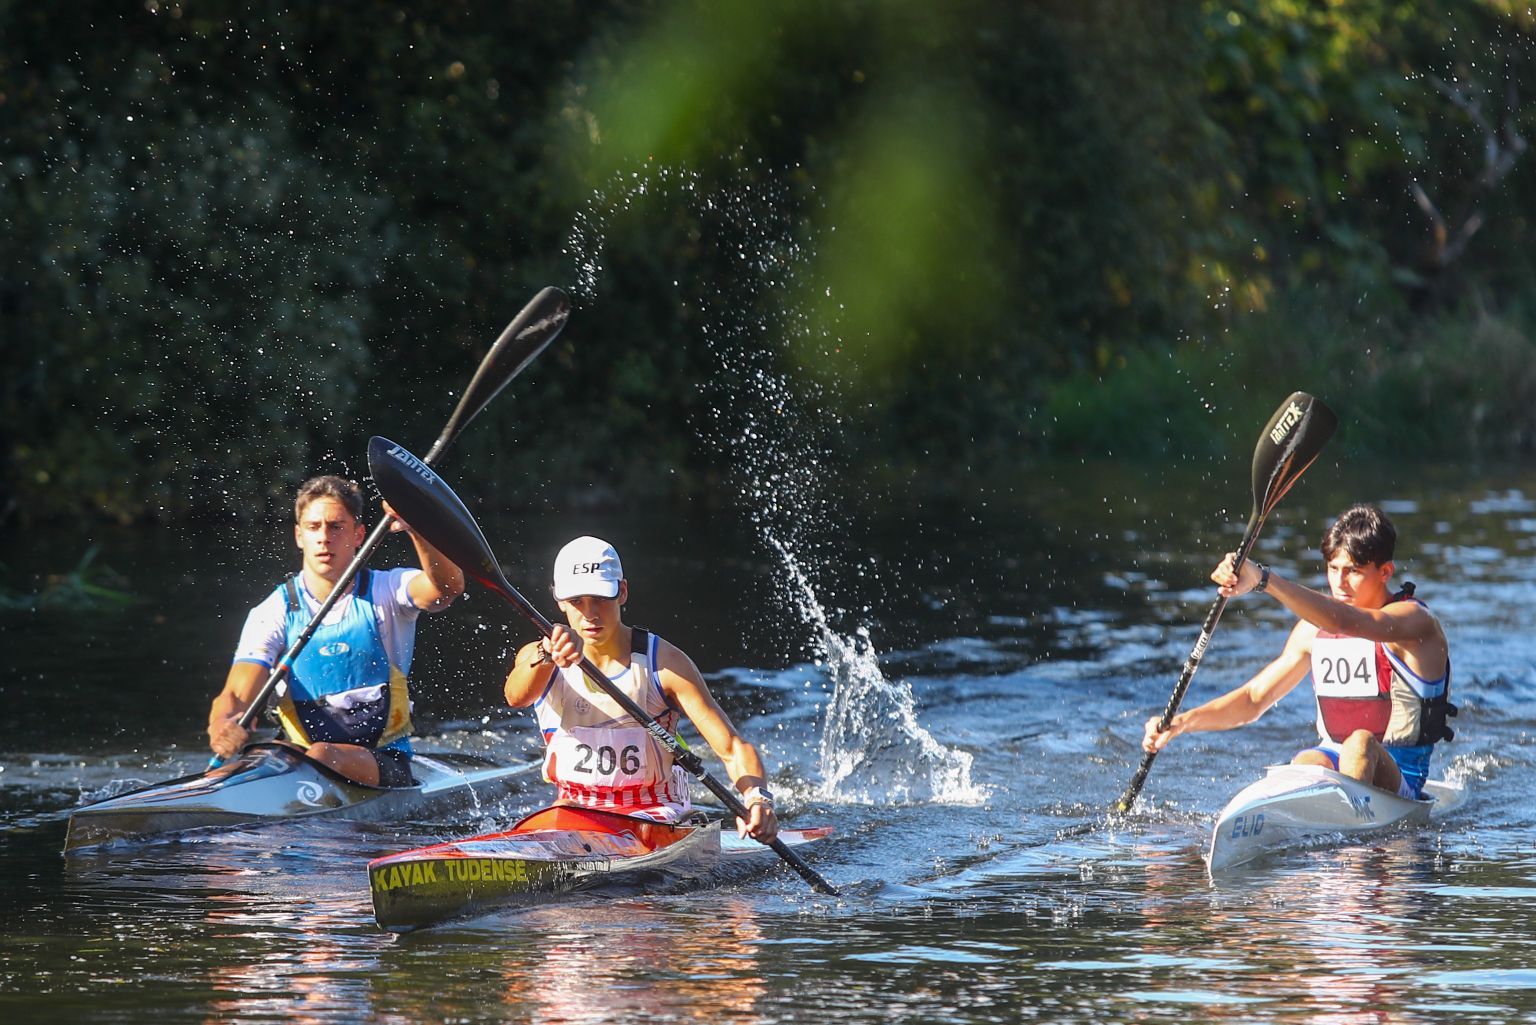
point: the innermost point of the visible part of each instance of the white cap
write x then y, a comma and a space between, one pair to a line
588, 565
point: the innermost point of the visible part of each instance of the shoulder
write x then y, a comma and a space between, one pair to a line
1407, 605
265, 631
1407, 610
1417, 621
672, 661
668, 654
393, 587
272, 608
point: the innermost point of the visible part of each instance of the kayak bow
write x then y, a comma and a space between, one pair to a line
553, 851
270, 783
1293, 805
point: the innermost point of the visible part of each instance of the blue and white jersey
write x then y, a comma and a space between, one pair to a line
348, 685
264, 638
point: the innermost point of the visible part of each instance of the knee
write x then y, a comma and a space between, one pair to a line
1360, 740
1361, 744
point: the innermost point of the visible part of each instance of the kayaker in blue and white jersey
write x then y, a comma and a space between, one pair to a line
347, 700
1380, 664
596, 754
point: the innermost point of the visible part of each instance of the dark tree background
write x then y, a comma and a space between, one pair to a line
240, 238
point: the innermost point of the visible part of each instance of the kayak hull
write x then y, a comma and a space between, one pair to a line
554, 851
271, 783
1296, 805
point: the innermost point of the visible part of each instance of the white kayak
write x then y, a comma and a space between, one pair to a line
270, 783
1294, 805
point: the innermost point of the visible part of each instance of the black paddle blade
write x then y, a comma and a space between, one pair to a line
1291, 441
424, 500
529, 333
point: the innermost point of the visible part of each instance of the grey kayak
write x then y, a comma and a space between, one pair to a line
271, 783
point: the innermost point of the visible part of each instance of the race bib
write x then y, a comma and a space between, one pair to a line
1347, 667
609, 758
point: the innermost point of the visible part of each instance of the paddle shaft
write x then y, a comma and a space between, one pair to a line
684, 757
529, 333
1192, 663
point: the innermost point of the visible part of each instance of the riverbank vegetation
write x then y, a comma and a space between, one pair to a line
242, 238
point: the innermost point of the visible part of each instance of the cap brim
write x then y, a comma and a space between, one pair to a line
610, 591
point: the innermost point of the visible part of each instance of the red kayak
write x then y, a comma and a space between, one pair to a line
553, 851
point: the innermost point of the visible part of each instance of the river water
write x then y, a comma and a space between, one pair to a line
951, 685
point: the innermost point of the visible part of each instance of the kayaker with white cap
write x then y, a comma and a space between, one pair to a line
596, 754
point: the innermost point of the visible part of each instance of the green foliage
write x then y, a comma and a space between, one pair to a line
242, 238
1150, 403
1459, 382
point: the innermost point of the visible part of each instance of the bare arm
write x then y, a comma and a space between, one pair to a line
1405, 624
530, 674
440, 581
225, 735
682, 682
1242, 705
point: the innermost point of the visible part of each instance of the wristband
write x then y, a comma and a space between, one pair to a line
545, 658
1263, 584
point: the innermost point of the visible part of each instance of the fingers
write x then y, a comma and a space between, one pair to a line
564, 647
227, 738
1233, 582
1154, 739
399, 526
761, 825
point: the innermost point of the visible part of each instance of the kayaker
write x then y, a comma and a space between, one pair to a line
596, 754
1380, 665
347, 700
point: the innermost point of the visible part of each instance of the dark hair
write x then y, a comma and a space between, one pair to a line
1364, 532
344, 491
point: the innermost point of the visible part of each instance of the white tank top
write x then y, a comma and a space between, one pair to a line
595, 753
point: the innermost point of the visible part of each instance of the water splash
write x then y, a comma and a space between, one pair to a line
778, 432
587, 239
873, 748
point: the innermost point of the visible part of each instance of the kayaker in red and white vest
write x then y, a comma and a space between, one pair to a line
1379, 661
596, 754
346, 701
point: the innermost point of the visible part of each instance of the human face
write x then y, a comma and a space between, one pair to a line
593, 618
1363, 585
329, 537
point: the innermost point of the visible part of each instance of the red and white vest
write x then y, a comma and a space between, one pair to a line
1361, 685
595, 753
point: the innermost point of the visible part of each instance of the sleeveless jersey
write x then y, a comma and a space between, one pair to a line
596, 754
1360, 684
343, 687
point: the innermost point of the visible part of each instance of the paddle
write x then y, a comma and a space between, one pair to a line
528, 334
436, 513
1291, 441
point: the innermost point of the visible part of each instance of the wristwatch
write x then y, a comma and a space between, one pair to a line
1263, 583
757, 795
